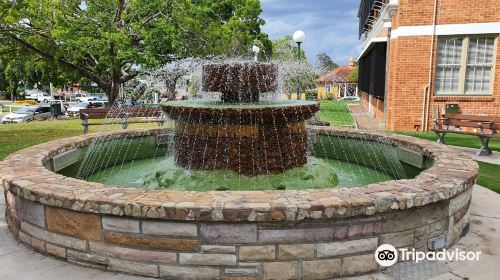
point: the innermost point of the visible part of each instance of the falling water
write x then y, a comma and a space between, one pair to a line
237, 131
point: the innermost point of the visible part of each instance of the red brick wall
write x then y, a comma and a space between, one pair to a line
409, 62
420, 12
408, 76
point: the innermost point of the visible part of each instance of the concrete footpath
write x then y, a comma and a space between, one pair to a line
20, 263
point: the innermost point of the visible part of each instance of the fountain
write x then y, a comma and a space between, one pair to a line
245, 127
236, 186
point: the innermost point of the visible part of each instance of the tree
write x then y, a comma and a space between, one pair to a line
326, 63
109, 41
353, 75
284, 49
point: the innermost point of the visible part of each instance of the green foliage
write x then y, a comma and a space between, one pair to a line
106, 41
353, 75
326, 63
285, 49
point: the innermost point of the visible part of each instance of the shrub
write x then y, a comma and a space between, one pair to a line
25, 102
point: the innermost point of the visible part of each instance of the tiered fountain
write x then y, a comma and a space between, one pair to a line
257, 137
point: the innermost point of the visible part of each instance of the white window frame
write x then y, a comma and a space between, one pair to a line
463, 66
328, 88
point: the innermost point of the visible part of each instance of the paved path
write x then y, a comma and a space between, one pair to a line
363, 119
20, 263
494, 159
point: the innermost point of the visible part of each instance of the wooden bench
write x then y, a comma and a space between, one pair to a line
485, 127
123, 116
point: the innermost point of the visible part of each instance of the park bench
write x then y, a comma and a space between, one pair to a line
485, 127
123, 116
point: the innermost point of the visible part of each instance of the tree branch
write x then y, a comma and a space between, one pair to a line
85, 72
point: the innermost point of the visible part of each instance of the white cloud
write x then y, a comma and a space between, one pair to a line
331, 26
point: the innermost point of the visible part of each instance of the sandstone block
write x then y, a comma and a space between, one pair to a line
30, 212
321, 269
398, 239
346, 247
254, 253
133, 267
54, 250
207, 259
38, 244
169, 229
77, 224
86, 257
188, 273
242, 272
151, 242
299, 251
120, 224
280, 270
227, 233
296, 235
359, 264
132, 254
218, 249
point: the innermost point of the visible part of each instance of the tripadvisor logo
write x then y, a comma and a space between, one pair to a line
387, 255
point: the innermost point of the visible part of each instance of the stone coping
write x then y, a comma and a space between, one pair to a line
24, 174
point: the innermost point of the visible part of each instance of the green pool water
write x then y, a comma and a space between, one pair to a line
163, 174
338, 162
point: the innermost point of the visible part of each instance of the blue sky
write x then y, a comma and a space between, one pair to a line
331, 26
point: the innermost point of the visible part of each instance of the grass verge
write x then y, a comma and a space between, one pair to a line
336, 113
489, 174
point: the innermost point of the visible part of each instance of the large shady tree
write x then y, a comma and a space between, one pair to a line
109, 41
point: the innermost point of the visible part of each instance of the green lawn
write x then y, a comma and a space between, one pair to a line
489, 174
336, 113
456, 139
15, 137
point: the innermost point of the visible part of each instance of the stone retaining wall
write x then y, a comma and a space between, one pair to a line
308, 234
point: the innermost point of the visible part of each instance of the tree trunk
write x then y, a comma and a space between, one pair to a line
112, 91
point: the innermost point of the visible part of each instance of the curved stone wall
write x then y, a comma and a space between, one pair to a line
307, 234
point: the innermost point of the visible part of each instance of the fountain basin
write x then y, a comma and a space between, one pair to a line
275, 130
263, 234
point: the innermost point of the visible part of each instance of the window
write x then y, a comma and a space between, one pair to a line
465, 65
329, 88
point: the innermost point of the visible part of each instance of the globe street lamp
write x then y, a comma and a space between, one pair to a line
256, 51
298, 37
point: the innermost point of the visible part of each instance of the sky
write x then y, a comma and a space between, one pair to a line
331, 26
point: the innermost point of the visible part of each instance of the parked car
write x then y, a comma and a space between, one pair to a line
74, 110
98, 104
82, 97
27, 114
39, 96
349, 98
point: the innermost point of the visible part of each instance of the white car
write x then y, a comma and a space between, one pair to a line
27, 114
82, 97
40, 97
74, 110
349, 98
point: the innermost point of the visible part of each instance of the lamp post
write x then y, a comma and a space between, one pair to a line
299, 37
256, 51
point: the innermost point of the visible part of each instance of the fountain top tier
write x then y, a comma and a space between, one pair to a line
241, 82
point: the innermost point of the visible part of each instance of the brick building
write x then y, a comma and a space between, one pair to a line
421, 58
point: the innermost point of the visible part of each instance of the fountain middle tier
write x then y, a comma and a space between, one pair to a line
250, 139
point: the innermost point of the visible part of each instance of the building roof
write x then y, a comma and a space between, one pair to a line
337, 75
